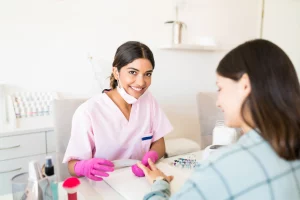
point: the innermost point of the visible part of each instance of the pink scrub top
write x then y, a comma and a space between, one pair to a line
100, 130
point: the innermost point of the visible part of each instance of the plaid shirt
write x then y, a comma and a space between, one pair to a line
249, 169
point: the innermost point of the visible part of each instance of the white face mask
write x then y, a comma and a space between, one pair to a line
127, 97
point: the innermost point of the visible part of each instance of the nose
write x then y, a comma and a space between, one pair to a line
140, 80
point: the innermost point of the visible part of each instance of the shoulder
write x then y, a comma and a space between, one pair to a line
90, 105
238, 152
248, 145
239, 167
233, 162
227, 154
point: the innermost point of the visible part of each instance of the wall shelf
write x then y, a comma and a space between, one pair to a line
191, 47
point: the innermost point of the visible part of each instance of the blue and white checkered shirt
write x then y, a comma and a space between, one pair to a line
247, 170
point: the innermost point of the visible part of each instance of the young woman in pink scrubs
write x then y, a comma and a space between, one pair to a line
124, 122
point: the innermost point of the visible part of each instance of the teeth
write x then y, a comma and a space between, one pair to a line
137, 89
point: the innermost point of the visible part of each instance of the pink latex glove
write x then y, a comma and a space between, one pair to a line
94, 168
153, 155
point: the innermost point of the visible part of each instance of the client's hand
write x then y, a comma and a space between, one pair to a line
152, 173
153, 155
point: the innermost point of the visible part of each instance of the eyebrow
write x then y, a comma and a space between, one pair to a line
138, 70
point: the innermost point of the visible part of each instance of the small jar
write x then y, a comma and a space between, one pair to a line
224, 135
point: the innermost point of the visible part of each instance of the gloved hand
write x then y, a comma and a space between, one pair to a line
153, 155
94, 168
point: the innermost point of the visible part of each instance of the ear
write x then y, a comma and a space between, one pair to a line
115, 73
245, 85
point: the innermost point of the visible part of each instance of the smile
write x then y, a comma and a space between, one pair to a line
136, 88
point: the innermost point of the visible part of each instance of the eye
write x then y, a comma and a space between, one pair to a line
149, 74
132, 72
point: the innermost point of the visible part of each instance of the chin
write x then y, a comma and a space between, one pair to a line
136, 94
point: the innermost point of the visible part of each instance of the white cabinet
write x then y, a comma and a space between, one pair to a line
22, 145
17, 148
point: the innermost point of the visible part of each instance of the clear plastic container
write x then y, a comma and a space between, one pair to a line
19, 185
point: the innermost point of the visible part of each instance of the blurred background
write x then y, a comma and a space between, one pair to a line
67, 46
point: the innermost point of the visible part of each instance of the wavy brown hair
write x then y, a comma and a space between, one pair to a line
274, 101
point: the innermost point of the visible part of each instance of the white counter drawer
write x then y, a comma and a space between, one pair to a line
22, 145
10, 168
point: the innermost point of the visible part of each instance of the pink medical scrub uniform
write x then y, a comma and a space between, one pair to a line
100, 130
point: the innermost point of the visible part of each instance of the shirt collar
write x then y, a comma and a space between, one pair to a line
253, 135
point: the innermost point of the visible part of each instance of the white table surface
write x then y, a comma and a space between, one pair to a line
85, 190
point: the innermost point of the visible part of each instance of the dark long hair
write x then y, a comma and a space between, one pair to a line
126, 54
274, 101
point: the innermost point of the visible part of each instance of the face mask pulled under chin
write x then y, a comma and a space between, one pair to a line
127, 97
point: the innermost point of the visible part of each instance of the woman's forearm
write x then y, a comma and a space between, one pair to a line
159, 147
71, 165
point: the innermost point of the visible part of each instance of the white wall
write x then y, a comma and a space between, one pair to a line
44, 45
282, 26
